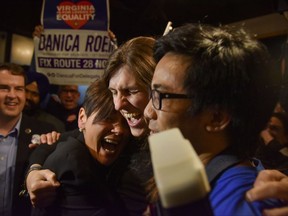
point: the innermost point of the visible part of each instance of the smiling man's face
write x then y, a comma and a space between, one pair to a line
12, 94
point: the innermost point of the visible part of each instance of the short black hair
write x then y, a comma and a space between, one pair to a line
229, 70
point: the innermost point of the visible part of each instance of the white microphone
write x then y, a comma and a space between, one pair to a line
179, 174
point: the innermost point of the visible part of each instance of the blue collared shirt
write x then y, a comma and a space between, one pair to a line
8, 152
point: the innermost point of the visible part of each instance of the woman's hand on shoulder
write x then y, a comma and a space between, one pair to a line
49, 138
270, 184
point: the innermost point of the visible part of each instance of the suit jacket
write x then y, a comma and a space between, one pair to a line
28, 127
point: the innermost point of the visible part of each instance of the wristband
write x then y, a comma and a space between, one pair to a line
24, 191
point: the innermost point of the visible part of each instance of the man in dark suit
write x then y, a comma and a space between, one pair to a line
16, 131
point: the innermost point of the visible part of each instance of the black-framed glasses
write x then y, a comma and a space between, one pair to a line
157, 97
67, 91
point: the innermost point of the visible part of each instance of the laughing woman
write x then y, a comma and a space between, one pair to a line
128, 75
81, 162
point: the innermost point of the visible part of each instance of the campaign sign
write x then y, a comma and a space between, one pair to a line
75, 46
76, 14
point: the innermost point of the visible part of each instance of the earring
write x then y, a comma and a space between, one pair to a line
208, 128
80, 129
214, 129
217, 128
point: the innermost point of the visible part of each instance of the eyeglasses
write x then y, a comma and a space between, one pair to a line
157, 98
67, 91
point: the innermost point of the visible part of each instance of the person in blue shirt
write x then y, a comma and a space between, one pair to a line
16, 130
214, 84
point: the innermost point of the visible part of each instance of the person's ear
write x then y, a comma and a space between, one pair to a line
219, 120
82, 118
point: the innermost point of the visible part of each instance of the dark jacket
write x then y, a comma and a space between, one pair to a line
28, 127
84, 189
128, 175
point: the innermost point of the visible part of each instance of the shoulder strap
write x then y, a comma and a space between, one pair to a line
220, 163
214, 169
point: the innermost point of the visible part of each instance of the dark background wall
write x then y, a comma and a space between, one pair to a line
130, 18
